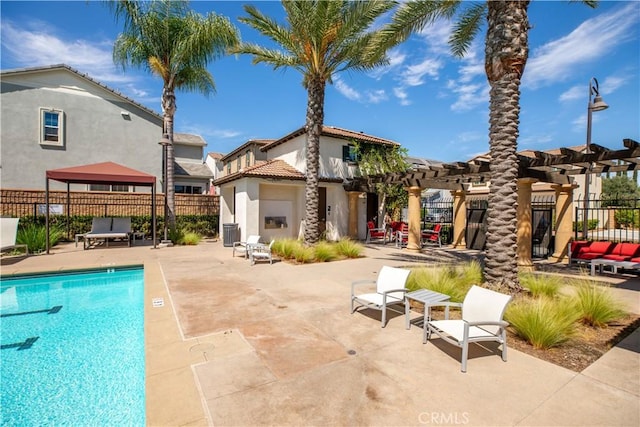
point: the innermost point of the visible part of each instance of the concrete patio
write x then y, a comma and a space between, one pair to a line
240, 345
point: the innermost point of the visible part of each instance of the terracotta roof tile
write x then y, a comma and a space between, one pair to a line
335, 132
278, 169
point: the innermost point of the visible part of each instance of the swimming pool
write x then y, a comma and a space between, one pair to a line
73, 348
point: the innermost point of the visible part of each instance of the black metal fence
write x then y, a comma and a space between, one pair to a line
615, 219
439, 212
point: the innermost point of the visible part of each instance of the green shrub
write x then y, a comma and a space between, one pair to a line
592, 224
325, 251
190, 238
469, 273
175, 234
285, 247
348, 248
35, 236
452, 281
595, 304
626, 218
304, 254
541, 285
543, 322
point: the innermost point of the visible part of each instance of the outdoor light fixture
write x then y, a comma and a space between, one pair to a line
595, 104
165, 143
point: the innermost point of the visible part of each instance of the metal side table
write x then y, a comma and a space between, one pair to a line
426, 297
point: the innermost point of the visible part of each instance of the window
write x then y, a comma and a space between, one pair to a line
349, 154
107, 187
239, 165
188, 189
51, 127
228, 168
247, 159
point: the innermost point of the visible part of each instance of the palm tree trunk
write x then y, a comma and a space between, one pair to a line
169, 109
315, 119
505, 57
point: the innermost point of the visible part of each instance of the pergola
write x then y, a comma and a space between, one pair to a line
101, 173
557, 167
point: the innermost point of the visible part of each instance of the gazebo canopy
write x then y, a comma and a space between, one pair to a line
101, 173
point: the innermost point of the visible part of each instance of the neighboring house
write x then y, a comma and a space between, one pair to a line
268, 197
54, 117
191, 174
215, 166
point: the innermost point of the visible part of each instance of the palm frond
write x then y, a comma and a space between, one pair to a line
466, 28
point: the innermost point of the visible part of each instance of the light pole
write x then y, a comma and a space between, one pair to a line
165, 143
595, 104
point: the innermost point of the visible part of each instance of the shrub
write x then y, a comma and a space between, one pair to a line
35, 236
541, 285
469, 274
592, 224
543, 322
285, 247
190, 238
348, 248
595, 304
452, 281
303, 254
175, 235
325, 252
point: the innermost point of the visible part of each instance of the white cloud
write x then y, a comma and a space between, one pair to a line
611, 84
469, 96
437, 36
377, 96
556, 60
396, 59
41, 46
573, 93
402, 95
414, 75
345, 89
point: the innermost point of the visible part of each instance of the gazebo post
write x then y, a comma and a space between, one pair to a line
46, 205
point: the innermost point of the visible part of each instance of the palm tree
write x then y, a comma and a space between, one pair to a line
321, 38
506, 53
176, 44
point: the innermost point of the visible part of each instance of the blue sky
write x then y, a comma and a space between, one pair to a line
434, 105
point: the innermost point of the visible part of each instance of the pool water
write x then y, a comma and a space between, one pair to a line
73, 349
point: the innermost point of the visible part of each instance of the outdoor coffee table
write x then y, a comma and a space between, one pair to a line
426, 297
600, 262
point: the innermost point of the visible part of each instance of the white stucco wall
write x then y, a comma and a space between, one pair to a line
281, 200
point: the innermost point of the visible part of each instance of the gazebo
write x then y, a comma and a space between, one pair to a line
101, 173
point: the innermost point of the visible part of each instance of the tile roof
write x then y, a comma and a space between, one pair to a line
258, 142
188, 139
335, 132
192, 169
275, 169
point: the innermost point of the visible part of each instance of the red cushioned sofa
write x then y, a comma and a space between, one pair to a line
584, 251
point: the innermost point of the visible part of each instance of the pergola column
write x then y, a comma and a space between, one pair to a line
459, 218
353, 214
564, 221
523, 213
414, 241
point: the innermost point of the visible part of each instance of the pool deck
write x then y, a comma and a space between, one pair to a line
235, 344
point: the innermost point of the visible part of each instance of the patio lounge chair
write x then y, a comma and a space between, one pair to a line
391, 287
482, 311
244, 247
9, 230
375, 233
432, 236
261, 252
108, 228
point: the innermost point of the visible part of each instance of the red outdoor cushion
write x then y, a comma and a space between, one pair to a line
635, 259
591, 255
601, 247
623, 252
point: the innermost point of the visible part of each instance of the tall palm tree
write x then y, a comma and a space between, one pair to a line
321, 38
506, 53
176, 44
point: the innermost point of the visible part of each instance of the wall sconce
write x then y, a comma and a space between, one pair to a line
125, 115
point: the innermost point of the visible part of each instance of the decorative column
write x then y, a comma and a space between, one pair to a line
564, 221
414, 240
353, 214
523, 242
459, 218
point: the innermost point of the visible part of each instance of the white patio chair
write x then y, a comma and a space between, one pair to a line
261, 252
391, 287
482, 312
9, 234
243, 247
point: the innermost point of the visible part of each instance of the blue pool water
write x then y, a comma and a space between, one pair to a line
73, 349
